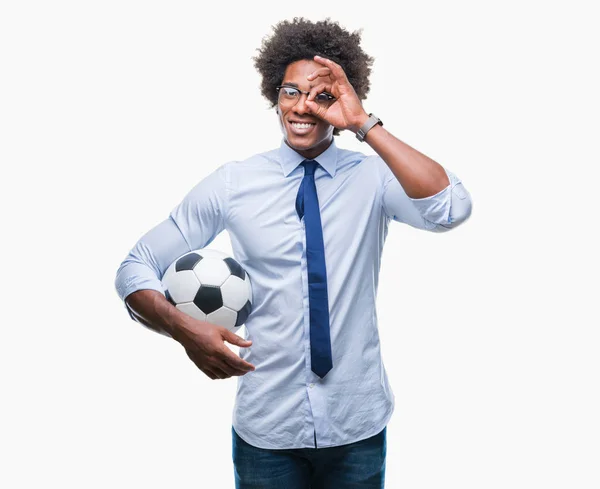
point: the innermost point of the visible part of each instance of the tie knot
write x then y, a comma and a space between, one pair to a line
309, 167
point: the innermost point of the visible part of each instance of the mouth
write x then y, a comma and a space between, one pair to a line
301, 128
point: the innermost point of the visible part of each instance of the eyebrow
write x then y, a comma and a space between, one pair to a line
294, 85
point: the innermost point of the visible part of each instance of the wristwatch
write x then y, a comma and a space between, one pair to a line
371, 121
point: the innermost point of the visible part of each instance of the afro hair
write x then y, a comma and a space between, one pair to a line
302, 39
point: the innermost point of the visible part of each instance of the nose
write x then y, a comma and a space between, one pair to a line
300, 106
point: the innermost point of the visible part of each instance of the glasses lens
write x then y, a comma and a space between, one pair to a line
323, 98
288, 95
291, 95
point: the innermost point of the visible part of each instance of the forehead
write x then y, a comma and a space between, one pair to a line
297, 72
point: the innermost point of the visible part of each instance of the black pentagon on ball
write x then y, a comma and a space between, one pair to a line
208, 299
169, 298
187, 262
243, 314
235, 268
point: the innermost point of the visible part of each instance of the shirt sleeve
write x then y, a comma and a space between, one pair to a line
192, 224
441, 212
201, 215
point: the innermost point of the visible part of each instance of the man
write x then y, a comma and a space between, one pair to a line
307, 221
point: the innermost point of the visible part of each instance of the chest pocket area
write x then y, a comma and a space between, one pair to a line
266, 228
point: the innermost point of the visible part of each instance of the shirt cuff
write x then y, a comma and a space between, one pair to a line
436, 208
135, 282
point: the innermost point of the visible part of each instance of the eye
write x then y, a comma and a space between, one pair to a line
290, 92
323, 97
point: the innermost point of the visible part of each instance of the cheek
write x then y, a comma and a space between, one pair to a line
327, 131
281, 124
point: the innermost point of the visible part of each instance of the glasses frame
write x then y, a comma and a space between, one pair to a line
330, 98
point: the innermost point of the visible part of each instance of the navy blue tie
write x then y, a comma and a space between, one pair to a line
307, 204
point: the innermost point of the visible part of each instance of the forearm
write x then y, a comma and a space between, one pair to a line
419, 175
154, 311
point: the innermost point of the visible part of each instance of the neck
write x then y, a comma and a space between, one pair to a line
312, 153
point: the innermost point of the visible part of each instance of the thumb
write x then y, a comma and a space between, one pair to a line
234, 339
313, 106
316, 110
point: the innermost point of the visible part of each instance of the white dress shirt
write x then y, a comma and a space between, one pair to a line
283, 404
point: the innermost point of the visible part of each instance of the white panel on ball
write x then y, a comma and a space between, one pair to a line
223, 317
212, 271
234, 292
182, 286
190, 309
208, 280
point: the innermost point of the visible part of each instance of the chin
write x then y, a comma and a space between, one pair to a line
305, 143
295, 144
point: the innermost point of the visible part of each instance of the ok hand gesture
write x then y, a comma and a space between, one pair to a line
346, 112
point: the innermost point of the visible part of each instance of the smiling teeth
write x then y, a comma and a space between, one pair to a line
302, 125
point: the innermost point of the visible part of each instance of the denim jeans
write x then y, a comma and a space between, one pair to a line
356, 465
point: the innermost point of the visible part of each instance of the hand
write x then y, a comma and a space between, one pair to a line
204, 345
347, 111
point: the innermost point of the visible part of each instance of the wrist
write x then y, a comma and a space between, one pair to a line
359, 122
371, 122
178, 326
175, 322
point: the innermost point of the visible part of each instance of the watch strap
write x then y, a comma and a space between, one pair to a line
373, 120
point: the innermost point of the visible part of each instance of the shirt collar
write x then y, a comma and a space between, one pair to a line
289, 159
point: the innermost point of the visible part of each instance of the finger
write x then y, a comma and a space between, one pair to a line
316, 109
321, 87
231, 370
320, 72
208, 372
234, 339
221, 374
336, 70
236, 361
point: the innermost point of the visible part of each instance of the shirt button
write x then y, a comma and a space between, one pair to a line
311, 385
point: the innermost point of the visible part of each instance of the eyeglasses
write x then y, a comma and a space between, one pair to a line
289, 96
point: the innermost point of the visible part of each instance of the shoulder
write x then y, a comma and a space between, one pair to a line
370, 163
255, 161
240, 172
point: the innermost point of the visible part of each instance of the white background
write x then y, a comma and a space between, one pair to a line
111, 111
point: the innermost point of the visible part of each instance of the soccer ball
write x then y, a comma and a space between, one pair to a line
210, 286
